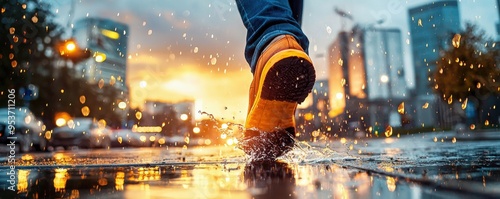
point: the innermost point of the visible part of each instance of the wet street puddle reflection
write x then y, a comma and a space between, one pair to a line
237, 180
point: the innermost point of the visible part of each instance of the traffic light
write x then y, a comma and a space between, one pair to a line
69, 49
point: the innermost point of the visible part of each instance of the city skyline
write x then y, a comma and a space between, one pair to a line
202, 44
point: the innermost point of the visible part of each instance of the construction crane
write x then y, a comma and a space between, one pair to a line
343, 16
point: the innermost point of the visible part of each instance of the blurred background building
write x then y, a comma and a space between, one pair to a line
367, 81
431, 26
107, 41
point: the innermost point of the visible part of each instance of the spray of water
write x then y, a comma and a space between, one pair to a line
277, 145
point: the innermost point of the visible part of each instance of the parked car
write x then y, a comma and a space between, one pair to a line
29, 131
81, 132
127, 138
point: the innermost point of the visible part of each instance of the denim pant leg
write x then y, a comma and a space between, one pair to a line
266, 19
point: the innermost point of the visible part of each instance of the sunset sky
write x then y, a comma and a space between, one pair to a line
193, 49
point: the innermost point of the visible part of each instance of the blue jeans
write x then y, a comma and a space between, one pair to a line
266, 19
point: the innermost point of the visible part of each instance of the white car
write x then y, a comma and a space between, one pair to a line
29, 131
81, 132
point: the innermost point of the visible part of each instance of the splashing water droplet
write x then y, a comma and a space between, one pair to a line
401, 108
213, 61
450, 99
454, 140
138, 115
420, 23
101, 83
472, 126
464, 104
112, 80
426, 105
456, 40
388, 131
328, 29
487, 123
195, 50
82, 99
435, 139
85, 111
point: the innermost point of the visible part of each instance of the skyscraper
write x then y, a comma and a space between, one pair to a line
498, 24
431, 28
366, 77
107, 41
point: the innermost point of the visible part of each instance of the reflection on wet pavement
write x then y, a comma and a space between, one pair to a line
407, 167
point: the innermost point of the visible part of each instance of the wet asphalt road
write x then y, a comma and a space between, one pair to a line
430, 165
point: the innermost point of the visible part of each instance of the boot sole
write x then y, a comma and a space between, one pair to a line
286, 80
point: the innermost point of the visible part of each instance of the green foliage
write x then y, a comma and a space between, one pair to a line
26, 33
468, 68
29, 40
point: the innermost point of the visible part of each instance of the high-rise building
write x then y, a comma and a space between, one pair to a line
367, 77
498, 24
431, 28
107, 42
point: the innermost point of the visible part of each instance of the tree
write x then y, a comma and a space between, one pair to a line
468, 70
30, 42
27, 33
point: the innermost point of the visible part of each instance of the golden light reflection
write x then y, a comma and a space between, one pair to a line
119, 180
27, 157
22, 180
391, 184
61, 176
464, 104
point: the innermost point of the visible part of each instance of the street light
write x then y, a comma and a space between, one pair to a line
69, 49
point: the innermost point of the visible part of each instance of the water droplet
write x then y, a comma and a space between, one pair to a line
14, 63
464, 104
450, 100
420, 23
195, 50
62, 90
85, 111
82, 99
112, 80
453, 140
328, 29
101, 83
435, 139
23, 6
426, 105
186, 139
150, 32
138, 115
341, 62
456, 40
34, 19
472, 127
401, 108
388, 131
213, 61
12, 30
487, 123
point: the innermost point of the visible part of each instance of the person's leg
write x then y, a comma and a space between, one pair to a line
267, 19
283, 75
